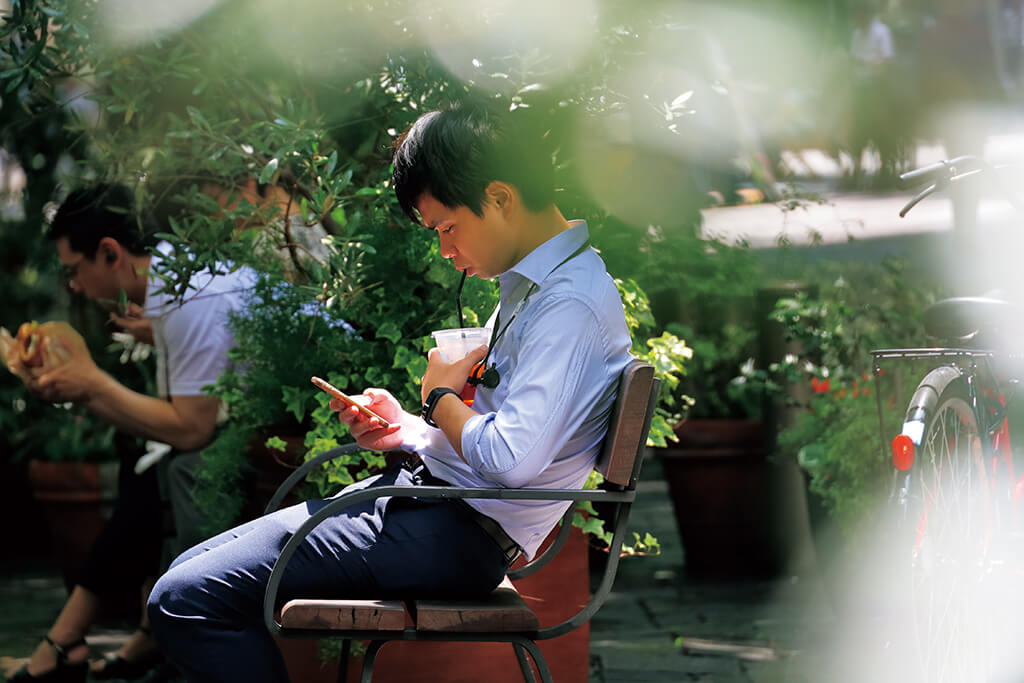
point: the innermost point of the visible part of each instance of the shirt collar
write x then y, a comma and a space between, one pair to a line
539, 263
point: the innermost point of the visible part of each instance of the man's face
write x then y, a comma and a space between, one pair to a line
92, 277
482, 246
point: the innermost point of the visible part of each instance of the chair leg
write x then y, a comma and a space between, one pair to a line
523, 645
369, 658
343, 659
524, 663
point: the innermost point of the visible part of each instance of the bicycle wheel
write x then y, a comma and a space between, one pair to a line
952, 523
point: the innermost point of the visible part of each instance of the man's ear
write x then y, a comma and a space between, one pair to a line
501, 194
109, 250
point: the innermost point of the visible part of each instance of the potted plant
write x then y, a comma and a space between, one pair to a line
836, 435
716, 461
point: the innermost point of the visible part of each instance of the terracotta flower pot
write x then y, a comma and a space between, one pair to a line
719, 480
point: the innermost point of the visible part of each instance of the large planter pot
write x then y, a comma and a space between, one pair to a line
722, 486
77, 500
555, 593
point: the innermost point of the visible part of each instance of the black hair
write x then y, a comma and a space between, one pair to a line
92, 213
455, 153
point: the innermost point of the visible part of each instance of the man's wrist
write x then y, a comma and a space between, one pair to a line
433, 398
100, 385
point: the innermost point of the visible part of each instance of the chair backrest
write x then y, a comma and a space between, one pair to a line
630, 422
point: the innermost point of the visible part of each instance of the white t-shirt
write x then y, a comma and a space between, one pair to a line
192, 338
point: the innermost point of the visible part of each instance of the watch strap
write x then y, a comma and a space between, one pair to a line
431, 403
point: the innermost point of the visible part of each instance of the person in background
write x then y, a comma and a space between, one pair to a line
872, 101
108, 249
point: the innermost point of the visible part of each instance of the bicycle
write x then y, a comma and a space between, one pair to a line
956, 495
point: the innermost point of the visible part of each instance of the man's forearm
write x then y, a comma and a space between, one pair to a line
145, 416
451, 415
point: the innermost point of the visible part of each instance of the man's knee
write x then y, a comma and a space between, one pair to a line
175, 596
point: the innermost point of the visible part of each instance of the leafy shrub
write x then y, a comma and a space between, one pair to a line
836, 434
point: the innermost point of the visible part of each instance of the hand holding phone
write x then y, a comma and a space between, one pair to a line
339, 394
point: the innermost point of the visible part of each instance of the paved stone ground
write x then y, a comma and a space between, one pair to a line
660, 625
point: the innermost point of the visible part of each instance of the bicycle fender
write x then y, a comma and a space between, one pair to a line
924, 399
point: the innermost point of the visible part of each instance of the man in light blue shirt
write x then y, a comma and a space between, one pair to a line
559, 343
559, 362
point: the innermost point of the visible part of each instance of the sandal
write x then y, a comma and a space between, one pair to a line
64, 672
116, 666
119, 667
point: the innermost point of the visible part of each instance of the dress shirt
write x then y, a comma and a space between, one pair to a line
559, 360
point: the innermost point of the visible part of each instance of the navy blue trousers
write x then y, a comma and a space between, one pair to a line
207, 609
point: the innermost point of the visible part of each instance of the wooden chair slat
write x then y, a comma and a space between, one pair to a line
622, 445
344, 615
503, 611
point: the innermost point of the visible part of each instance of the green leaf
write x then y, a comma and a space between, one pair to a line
277, 443
197, 118
295, 401
268, 172
390, 331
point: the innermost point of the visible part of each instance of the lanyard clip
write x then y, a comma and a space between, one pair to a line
488, 376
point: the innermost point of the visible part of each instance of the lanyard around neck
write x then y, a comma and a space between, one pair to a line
496, 335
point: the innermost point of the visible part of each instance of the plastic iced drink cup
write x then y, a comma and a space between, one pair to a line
458, 342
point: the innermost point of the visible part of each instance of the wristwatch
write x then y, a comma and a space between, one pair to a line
432, 398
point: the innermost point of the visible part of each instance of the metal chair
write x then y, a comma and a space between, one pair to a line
502, 616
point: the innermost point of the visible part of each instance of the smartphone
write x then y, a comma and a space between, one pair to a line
338, 393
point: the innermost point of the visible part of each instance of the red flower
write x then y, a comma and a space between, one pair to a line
819, 386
